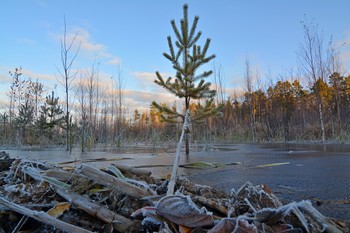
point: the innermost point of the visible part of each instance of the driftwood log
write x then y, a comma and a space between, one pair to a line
42, 217
113, 182
120, 223
133, 170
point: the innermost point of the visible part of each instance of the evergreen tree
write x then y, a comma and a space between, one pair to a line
187, 84
51, 115
4, 119
25, 117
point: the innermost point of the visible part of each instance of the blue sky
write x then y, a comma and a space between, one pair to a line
133, 34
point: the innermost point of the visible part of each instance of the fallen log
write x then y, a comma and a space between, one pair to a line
325, 223
200, 190
133, 170
42, 217
61, 174
120, 223
113, 182
91, 160
211, 204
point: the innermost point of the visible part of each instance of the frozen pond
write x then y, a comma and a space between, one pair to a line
303, 171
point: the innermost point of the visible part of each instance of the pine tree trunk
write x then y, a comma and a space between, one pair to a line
340, 130
187, 144
252, 123
320, 111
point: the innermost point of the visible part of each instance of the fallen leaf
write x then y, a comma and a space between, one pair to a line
58, 209
184, 229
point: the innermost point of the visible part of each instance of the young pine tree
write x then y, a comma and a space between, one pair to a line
187, 57
25, 118
51, 115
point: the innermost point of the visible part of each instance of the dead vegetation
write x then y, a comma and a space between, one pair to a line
39, 197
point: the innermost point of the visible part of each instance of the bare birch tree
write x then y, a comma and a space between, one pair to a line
248, 77
83, 111
117, 106
67, 75
219, 83
94, 99
314, 60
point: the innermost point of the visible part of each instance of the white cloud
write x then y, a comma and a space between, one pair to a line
34, 75
143, 99
114, 61
83, 37
85, 43
146, 80
4, 79
145, 76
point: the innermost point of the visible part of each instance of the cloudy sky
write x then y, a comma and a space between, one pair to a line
132, 34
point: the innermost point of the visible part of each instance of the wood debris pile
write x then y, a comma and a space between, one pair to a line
39, 197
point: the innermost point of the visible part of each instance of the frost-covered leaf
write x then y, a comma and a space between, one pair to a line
182, 211
230, 225
150, 215
264, 214
225, 225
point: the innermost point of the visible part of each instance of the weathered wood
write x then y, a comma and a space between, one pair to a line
34, 173
113, 182
133, 170
213, 205
42, 217
326, 224
61, 174
120, 223
200, 190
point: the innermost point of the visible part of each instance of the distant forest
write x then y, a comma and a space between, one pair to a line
285, 111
